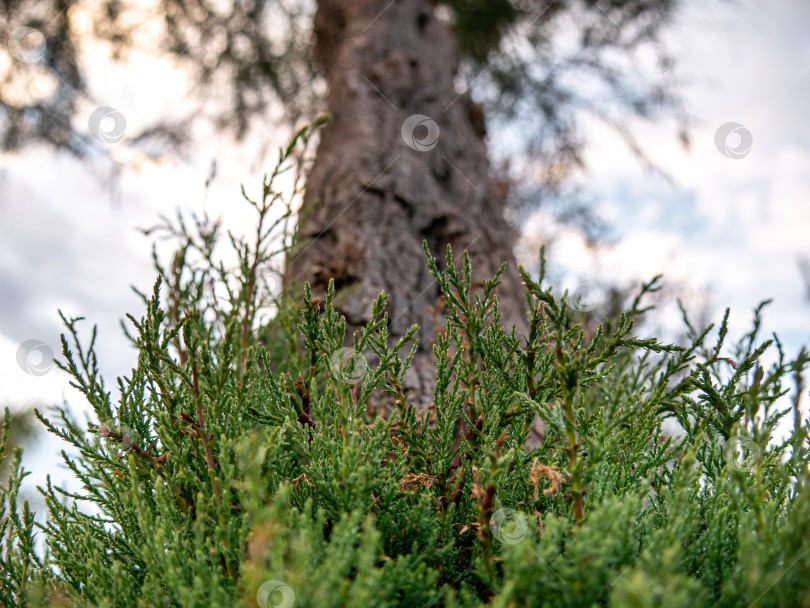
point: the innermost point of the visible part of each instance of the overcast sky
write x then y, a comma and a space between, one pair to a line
733, 225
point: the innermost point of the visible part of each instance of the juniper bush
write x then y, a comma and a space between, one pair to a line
240, 464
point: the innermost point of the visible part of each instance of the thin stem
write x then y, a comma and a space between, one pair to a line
209, 454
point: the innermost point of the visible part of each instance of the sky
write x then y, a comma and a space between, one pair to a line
729, 227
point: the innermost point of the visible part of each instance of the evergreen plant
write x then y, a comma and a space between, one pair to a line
240, 462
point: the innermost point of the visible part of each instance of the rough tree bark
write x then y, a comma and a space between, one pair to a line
371, 198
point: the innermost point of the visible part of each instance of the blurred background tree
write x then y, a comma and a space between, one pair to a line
532, 69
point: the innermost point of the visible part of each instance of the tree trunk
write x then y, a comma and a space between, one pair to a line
382, 182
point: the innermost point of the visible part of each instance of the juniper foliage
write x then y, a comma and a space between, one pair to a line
241, 462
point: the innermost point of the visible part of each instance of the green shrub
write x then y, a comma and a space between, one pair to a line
241, 464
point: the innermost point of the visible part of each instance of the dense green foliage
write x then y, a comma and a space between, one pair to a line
243, 461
